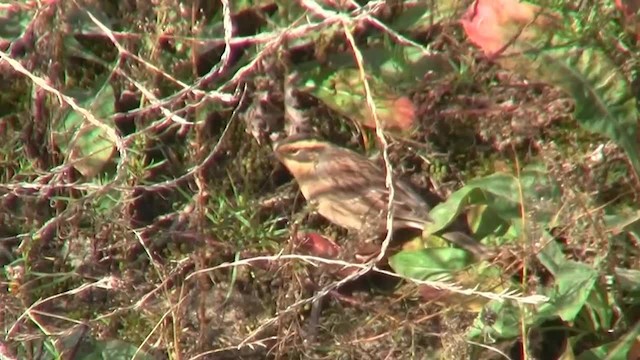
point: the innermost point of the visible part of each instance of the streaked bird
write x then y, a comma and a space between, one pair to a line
349, 190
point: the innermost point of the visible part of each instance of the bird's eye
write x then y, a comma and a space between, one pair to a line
293, 152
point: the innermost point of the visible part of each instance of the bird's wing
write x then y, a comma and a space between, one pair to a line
409, 207
367, 182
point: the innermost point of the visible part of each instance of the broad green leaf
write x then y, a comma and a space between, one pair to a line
88, 147
446, 212
498, 320
533, 183
573, 286
576, 293
551, 257
503, 194
599, 310
429, 263
485, 221
574, 283
451, 265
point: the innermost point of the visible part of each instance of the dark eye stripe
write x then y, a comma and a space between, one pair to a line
306, 153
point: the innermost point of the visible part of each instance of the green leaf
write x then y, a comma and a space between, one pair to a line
485, 221
599, 311
503, 194
429, 263
577, 295
446, 212
574, 283
498, 320
551, 257
88, 147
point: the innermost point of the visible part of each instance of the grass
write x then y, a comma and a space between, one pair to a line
143, 214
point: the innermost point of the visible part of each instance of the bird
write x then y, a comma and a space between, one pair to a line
350, 190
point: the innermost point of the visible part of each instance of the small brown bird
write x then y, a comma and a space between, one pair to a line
349, 190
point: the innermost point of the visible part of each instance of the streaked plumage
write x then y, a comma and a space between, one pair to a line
349, 190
